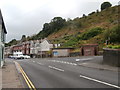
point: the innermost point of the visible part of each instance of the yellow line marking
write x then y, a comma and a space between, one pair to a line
26, 80
29, 80
29, 83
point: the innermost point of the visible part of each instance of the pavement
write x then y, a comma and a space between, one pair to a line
98, 64
10, 77
0, 78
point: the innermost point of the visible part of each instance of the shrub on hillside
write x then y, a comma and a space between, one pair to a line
90, 33
113, 46
105, 5
116, 47
91, 13
71, 43
113, 35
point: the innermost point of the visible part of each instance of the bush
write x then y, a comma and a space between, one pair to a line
91, 13
109, 46
71, 43
113, 46
116, 47
105, 5
90, 33
113, 34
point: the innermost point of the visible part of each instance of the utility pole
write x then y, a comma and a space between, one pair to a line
41, 47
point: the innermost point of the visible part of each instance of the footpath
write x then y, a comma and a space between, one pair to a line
98, 64
10, 76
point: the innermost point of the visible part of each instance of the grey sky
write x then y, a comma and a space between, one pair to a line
28, 16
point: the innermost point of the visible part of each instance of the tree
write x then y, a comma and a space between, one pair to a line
91, 13
57, 23
12, 42
48, 28
97, 11
28, 38
113, 35
105, 5
23, 38
84, 15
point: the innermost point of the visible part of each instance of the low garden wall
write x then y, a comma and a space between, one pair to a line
111, 57
74, 54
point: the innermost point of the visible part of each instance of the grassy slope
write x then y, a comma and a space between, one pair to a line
102, 19
106, 19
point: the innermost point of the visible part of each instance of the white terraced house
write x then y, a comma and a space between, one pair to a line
39, 47
3, 33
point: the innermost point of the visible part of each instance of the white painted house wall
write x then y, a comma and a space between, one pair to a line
2, 39
45, 46
39, 46
32, 47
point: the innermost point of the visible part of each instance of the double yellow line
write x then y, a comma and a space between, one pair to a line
29, 83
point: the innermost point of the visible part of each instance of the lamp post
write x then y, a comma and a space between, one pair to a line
41, 47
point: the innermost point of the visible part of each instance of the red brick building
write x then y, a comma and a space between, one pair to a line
17, 48
24, 48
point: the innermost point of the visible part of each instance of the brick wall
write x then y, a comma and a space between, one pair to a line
89, 49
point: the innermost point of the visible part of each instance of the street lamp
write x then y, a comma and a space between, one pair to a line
41, 47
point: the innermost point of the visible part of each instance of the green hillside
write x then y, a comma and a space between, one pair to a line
96, 27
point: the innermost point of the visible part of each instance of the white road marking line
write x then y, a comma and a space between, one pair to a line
64, 62
77, 59
82, 63
99, 81
56, 68
75, 64
67, 62
83, 59
71, 63
40, 63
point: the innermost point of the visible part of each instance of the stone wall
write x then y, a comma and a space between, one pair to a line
111, 57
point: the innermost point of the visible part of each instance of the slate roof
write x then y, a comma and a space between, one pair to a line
2, 22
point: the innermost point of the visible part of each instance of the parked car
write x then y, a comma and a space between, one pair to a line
26, 57
19, 55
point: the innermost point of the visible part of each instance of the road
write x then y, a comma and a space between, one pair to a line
66, 73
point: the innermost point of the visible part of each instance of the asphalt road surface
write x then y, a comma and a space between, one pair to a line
66, 73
